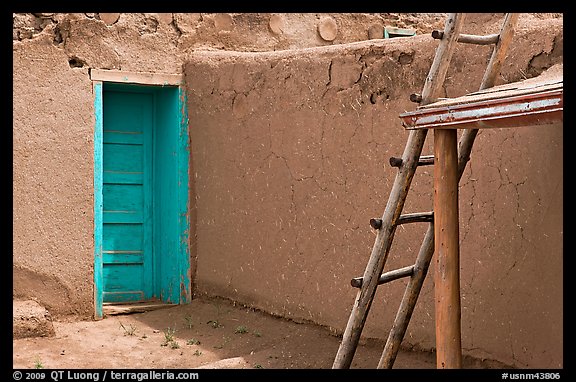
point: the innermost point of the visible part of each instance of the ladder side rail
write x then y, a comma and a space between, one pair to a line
408, 302
494, 67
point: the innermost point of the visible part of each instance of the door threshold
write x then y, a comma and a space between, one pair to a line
118, 308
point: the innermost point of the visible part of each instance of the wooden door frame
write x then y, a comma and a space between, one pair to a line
99, 77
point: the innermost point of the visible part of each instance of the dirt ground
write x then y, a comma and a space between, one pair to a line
208, 333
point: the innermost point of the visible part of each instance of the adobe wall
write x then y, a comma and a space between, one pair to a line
53, 117
290, 153
53, 145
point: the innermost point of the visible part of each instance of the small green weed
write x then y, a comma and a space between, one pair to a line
169, 334
38, 364
192, 341
215, 324
221, 346
241, 329
189, 323
128, 331
169, 338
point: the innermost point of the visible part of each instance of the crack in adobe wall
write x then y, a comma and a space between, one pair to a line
544, 60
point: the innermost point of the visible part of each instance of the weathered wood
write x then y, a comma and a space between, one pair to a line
376, 223
408, 302
383, 241
470, 38
500, 51
414, 286
494, 67
437, 74
446, 247
542, 105
144, 78
416, 98
424, 160
113, 309
386, 277
416, 217
380, 251
395, 162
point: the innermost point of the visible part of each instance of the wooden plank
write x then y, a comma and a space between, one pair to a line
123, 177
144, 78
130, 257
121, 157
98, 200
120, 278
112, 309
123, 197
446, 233
124, 217
184, 208
515, 89
125, 296
530, 109
119, 237
383, 241
127, 137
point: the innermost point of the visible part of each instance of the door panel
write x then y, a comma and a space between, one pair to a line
126, 191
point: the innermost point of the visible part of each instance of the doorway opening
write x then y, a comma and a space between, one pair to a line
141, 188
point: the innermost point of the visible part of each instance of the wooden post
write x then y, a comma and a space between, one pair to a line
447, 270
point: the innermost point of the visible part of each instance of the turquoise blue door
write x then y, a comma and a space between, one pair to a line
127, 197
141, 195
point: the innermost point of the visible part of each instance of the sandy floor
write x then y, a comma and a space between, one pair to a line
209, 333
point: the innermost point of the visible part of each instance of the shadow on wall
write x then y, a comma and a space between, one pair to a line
48, 291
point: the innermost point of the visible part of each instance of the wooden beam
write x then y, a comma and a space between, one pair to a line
142, 78
469, 38
446, 233
396, 274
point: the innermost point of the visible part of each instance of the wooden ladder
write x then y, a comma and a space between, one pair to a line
392, 217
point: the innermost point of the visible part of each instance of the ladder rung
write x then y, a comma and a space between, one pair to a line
376, 223
417, 217
424, 160
470, 38
415, 97
386, 277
